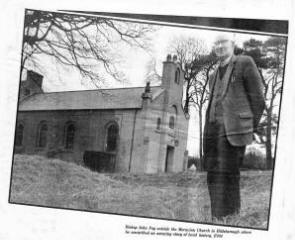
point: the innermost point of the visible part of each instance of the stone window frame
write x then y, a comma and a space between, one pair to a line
19, 141
171, 122
173, 117
107, 126
66, 144
159, 122
41, 125
177, 76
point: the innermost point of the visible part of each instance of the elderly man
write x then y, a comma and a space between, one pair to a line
235, 107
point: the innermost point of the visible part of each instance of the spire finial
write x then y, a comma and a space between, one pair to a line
147, 87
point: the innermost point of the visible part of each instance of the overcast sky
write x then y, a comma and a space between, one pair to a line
134, 60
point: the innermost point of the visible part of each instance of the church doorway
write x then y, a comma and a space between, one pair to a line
169, 159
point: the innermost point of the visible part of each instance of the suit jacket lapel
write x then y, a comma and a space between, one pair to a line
211, 87
213, 80
227, 75
226, 78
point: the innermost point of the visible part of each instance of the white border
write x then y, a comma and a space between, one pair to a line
24, 222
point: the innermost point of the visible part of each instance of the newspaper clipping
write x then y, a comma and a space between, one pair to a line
147, 123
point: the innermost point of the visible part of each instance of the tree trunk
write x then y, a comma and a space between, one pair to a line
201, 138
186, 105
268, 142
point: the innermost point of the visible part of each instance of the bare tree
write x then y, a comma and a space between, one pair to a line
200, 93
188, 51
269, 57
88, 44
275, 48
197, 64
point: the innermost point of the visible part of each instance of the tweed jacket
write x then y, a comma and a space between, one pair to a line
242, 100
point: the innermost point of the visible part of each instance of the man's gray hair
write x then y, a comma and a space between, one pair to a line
226, 35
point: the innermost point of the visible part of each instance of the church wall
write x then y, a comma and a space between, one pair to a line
151, 143
140, 144
90, 133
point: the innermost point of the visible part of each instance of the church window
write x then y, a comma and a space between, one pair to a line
19, 135
177, 76
69, 135
42, 135
171, 122
172, 118
158, 123
112, 137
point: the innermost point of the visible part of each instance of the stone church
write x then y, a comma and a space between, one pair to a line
139, 129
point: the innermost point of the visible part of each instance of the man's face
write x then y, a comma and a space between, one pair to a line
223, 47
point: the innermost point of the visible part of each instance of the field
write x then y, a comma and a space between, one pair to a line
51, 182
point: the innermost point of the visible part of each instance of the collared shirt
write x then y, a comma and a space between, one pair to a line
222, 70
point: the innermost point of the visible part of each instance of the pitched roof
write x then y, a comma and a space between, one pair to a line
116, 98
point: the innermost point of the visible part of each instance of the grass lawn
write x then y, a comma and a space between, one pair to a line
183, 196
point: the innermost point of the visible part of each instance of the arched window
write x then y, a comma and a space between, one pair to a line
177, 76
173, 116
158, 123
171, 122
112, 137
42, 135
69, 135
19, 135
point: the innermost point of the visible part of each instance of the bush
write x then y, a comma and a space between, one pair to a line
196, 161
254, 158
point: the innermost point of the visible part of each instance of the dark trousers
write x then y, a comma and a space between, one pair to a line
222, 162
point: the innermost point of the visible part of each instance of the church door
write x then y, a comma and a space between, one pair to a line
169, 159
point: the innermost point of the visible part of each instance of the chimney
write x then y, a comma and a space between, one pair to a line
35, 77
32, 85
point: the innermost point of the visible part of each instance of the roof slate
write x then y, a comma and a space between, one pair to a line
116, 98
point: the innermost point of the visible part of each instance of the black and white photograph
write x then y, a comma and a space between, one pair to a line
156, 116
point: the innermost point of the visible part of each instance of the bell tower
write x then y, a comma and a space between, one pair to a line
172, 80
